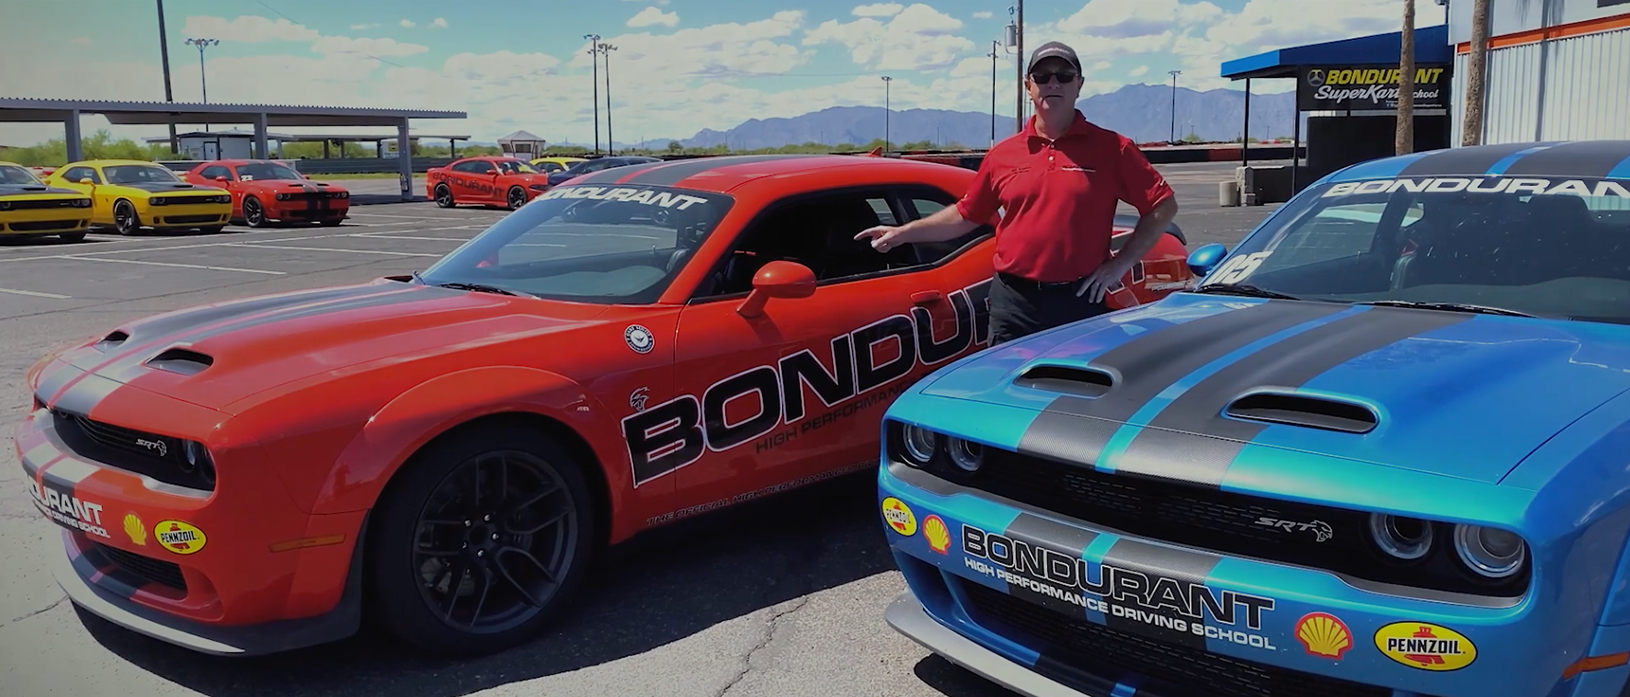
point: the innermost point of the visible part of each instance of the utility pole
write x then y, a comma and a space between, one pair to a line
994, 45
594, 82
1018, 37
886, 81
1476, 69
1174, 74
164, 55
204, 80
1405, 136
611, 143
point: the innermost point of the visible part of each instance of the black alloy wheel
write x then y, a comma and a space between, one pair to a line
444, 196
484, 538
517, 197
125, 221
253, 214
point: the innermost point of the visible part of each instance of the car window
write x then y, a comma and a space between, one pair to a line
78, 173
262, 171
214, 171
515, 167
818, 232
596, 244
1557, 247
12, 174
548, 167
140, 174
934, 252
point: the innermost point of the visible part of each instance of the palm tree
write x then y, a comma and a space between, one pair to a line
1476, 67
1405, 141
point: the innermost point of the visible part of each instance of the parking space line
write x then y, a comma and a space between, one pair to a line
167, 263
35, 293
330, 249
383, 236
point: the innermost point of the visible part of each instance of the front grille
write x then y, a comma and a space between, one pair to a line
40, 226
43, 204
1226, 522
1173, 670
161, 457
183, 219
164, 573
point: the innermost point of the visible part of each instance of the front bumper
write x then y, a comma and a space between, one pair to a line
237, 570
183, 215
1150, 619
315, 210
44, 221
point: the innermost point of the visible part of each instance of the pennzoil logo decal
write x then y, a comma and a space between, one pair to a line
179, 537
662, 438
1425, 646
899, 516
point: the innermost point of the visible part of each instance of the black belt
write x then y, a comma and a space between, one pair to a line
1025, 283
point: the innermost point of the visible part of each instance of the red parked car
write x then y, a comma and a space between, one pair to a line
267, 191
644, 344
488, 180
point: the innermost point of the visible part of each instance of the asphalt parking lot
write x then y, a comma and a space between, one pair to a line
783, 597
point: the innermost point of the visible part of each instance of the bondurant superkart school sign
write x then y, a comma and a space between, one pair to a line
1366, 88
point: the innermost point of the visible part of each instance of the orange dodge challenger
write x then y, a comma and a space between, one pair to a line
488, 180
264, 191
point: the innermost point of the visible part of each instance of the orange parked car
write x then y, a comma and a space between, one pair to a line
488, 180
267, 191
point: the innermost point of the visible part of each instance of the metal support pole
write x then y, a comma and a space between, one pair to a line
994, 45
886, 81
260, 136
611, 143
1018, 113
72, 136
1174, 74
404, 160
164, 56
1295, 146
594, 84
1245, 138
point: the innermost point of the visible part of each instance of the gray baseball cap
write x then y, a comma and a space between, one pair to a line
1053, 49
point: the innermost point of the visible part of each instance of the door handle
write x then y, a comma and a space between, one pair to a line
926, 297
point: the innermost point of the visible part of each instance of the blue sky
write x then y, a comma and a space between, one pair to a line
681, 65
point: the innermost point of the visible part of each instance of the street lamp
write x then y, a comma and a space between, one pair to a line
994, 46
1174, 74
594, 82
886, 81
1015, 39
203, 80
611, 143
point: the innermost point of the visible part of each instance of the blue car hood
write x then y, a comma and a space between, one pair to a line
1449, 393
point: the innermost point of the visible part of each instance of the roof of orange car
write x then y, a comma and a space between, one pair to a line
721, 174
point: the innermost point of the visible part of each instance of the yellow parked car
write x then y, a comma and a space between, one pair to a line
550, 165
128, 195
28, 207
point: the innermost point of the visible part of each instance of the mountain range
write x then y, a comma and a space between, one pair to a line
1140, 112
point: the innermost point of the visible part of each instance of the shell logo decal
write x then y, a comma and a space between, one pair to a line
938, 536
1425, 646
899, 516
1324, 634
179, 537
135, 530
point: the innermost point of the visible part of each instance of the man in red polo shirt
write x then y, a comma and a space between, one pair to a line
1057, 183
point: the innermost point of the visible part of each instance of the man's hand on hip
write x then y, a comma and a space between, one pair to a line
1105, 279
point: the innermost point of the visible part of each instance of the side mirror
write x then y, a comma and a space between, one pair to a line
1203, 260
86, 181
220, 178
778, 279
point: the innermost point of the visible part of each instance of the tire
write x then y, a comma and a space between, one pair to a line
405, 577
444, 196
330, 222
516, 198
125, 221
72, 236
254, 214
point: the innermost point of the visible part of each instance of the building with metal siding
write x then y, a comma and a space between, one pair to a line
1557, 69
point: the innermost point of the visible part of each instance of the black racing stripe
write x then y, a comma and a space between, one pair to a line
1068, 540
1164, 576
165, 325
1145, 366
1163, 450
613, 174
1469, 162
1585, 160
672, 173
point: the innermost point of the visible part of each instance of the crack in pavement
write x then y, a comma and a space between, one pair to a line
35, 613
772, 625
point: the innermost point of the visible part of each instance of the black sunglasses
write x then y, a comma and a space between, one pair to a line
1065, 77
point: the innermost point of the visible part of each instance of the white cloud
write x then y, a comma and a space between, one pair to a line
439, 23
407, 23
652, 16
663, 3
1101, 65
356, 27
881, 9
1139, 70
982, 14
917, 38
248, 29
366, 46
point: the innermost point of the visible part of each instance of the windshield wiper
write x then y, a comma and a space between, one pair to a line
1241, 289
479, 288
1451, 307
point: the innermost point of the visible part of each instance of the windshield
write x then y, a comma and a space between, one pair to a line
592, 244
515, 167
1550, 247
139, 174
12, 174
259, 171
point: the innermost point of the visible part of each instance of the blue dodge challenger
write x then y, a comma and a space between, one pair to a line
1381, 449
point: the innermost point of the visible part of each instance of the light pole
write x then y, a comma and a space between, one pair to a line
886, 81
203, 79
611, 143
1174, 74
164, 55
594, 82
994, 45
1016, 39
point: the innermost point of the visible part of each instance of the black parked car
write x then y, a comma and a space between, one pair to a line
595, 165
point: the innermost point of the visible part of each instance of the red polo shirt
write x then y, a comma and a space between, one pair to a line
1059, 198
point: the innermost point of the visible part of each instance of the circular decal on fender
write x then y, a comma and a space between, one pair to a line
1425, 646
639, 338
179, 537
899, 516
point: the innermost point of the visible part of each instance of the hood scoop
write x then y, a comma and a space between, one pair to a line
1072, 380
112, 341
1303, 410
181, 361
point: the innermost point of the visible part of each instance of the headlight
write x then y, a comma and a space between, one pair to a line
966, 454
1489, 552
198, 460
5, 205
83, 203
157, 201
920, 443
339, 194
284, 197
1403, 538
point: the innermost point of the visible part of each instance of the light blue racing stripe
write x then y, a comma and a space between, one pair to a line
1504, 164
1379, 169
1134, 425
1126, 688
1620, 171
